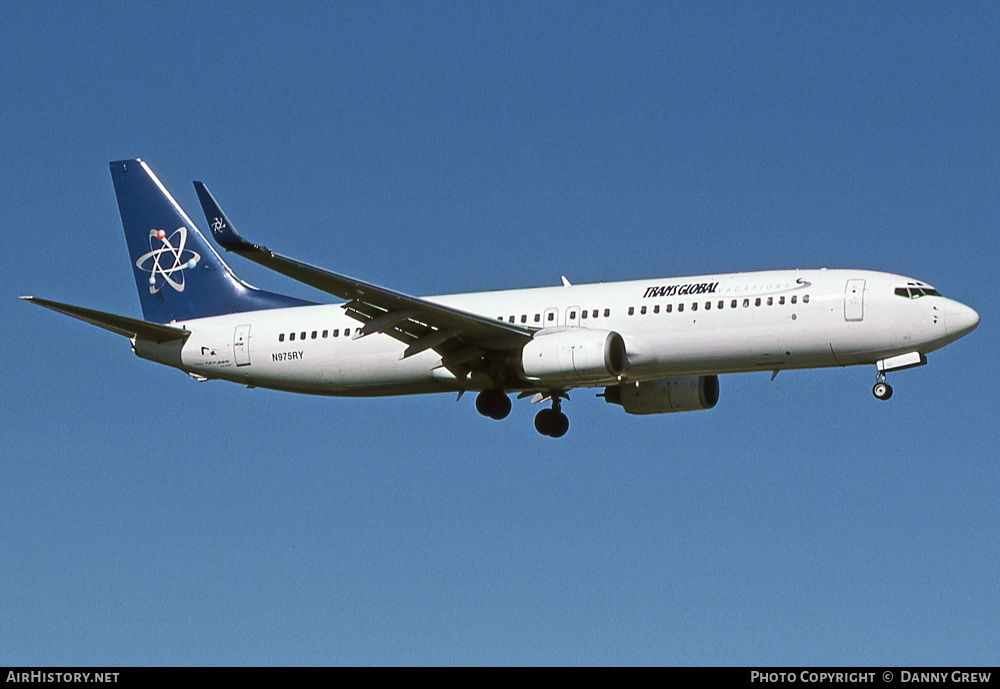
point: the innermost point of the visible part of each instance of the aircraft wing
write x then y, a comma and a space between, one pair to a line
121, 325
421, 324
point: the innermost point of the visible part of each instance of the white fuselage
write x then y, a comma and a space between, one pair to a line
702, 325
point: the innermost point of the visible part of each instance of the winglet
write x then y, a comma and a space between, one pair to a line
222, 230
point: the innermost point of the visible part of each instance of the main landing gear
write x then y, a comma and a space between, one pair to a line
552, 422
496, 405
493, 403
882, 390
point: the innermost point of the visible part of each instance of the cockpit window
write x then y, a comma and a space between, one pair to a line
916, 292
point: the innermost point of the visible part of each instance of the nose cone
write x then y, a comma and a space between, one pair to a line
960, 319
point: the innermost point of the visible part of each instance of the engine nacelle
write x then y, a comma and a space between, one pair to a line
666, 395
574, 356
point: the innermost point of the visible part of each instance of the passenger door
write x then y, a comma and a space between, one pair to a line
241, 345
854, 300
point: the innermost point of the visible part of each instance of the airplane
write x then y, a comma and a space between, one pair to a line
651, 346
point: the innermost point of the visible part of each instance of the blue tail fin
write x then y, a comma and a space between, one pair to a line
177, 272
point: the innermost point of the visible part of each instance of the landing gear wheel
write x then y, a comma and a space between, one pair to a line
882, 390
544, 421
502, 409
552, 423
494, 404
561, 425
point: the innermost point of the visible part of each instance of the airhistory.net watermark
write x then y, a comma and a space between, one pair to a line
61, 677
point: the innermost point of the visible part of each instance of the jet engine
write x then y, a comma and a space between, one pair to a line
574, 356
666, 395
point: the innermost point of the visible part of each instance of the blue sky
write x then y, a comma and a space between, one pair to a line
447, 147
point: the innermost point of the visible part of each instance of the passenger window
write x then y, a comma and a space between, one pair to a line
708, 305
781, 301
281, 337
746, 303
291, 337
551, 317
303, 336
538, 318
694, 306
721, 304
656, 308
583, 314
326, 333
732, 304
631, 310
756, 302
805, 298
572, 315
595, 313
524, 318
670, 307
795, 298
607, 312
680, 307
314, 334
347, 332
643, 311
770, 301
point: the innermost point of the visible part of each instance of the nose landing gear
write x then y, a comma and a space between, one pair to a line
882, 390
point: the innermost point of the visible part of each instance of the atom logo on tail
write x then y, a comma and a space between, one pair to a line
168, 261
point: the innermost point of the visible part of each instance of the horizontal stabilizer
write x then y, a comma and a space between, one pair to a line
122, 325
